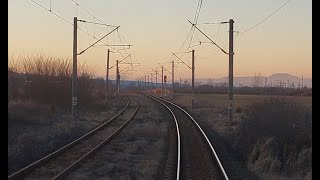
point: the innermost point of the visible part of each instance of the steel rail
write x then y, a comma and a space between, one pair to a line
98, 147
178, 133
202, 132
37, 163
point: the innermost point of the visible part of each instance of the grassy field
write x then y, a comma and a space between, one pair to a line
273, 136
239, 100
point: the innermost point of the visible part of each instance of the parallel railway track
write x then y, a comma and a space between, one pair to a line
191, 157
62, 161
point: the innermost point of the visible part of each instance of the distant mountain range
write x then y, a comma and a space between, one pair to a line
277, 79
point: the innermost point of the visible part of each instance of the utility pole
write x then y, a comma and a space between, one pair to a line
302, 82
145, 81
156, 78
165, 87
192, 103
119, 81
180, 82
151, 81
162, 81
74, 69
172, 79
265, 86
230, 70
117, 76
107, 78
148, 82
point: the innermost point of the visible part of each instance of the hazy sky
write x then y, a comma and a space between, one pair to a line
156, 28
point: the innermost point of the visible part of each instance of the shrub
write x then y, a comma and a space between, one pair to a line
47, 80
277, 132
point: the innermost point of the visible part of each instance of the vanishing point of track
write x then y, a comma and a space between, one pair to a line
62, 161
195, 157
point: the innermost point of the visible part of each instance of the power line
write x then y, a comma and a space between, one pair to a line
258, 22
122, 43
60, 17
214, 23
266, 18
197, 11
253, 25
196, 17
87, 11
195, 14
195, 21
208, 38
226, 44
97, 23
102, 23
51, 12
98, 40
72, 25
192, 28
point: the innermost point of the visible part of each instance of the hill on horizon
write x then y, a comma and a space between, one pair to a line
274, 79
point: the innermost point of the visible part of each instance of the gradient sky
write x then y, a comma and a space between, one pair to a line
283, 43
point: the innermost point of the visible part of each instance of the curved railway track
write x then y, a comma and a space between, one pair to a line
195, 157
62, 161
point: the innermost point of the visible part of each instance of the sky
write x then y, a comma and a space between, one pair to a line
281, 44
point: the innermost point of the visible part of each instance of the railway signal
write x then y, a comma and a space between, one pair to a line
162, 80
162, 77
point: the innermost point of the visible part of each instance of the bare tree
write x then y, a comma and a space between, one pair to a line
210, 82
257, 80
185, 82
221, 84
197, 83
292, 85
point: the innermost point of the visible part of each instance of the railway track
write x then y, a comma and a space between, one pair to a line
62, 161
194, 157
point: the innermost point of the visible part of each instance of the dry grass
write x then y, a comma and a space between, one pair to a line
35, 130
34, 134
149, 130
214, 100
39, 105
272, 134
47, 80
139, 152
276, 136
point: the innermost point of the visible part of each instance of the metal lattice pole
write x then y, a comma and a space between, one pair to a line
74, 69
192, 103
230, 107
107, 77
172, 79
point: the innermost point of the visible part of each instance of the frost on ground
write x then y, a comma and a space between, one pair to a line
268, 139
138, 152
35, 130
